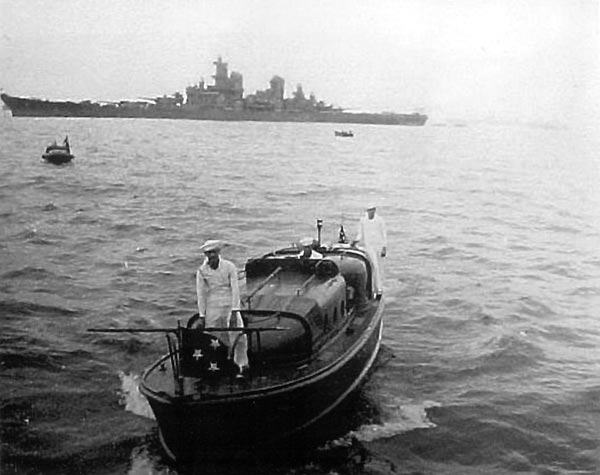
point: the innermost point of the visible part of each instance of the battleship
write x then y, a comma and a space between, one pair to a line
222, 101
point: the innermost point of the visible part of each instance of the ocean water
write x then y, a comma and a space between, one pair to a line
491, 351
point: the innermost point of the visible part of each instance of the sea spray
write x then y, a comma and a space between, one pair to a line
131, 397
398, 419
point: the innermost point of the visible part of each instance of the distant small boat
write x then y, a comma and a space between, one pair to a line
344, 133
58, 154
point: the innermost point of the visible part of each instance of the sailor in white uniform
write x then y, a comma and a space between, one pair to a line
307, 249
372, 236
219, 299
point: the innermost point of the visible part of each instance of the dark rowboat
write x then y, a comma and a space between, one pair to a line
314, 329
58, 154
344, 133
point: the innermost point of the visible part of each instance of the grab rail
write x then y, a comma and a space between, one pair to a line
262, 284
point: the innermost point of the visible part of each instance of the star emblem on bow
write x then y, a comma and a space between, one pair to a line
197, 354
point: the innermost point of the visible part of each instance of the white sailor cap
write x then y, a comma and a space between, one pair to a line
307, 241
371, 205
212, 245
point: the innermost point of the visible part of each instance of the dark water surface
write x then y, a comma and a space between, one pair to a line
491, 356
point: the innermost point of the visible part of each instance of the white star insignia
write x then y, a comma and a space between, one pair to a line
214, 367
215, 343
197, 354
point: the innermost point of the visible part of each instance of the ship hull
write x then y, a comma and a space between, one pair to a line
266, 419
57, 157
24, 107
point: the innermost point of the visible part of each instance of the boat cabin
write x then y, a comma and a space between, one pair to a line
293, 309
311, 299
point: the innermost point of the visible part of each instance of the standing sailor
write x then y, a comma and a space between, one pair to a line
219, 299
372, 236
307, 249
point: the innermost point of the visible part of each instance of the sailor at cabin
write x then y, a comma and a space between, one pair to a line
219, 299
372, 236
307, 249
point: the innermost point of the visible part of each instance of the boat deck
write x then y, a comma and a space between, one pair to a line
261, 376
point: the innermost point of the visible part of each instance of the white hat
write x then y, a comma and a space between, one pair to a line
212, 245
307, 241
371, 205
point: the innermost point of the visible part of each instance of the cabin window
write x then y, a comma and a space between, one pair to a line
326, 321
335, 315
343, 309
350, 294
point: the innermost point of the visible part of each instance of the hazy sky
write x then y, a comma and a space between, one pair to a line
533, 59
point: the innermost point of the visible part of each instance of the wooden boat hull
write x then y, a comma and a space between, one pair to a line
264, 417
57, 158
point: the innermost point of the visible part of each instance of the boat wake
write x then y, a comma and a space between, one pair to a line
143, 462
397, 419
131, 397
